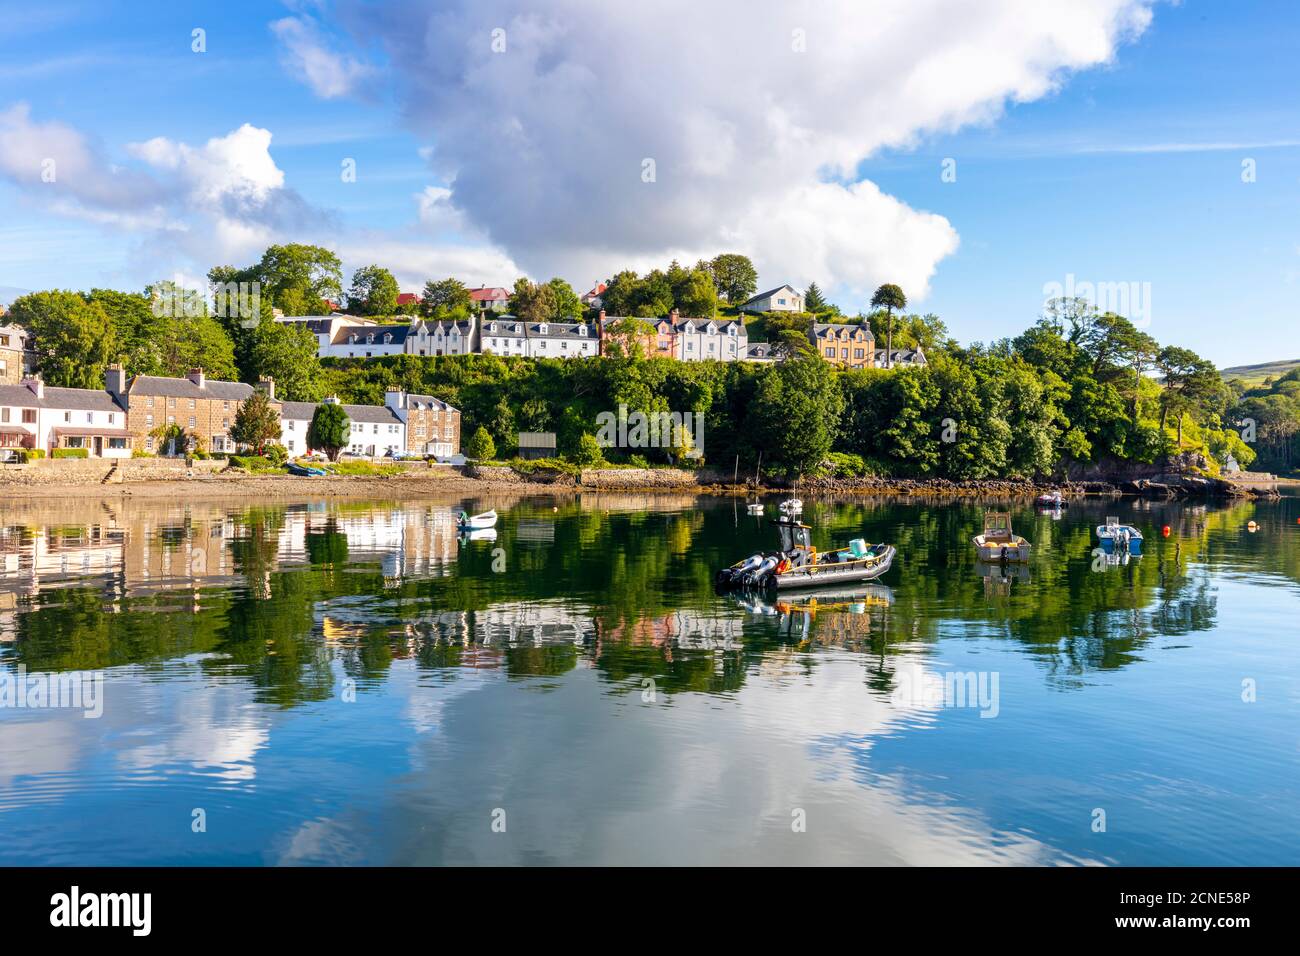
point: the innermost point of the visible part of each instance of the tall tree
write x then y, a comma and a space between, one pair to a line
889, 297
286, 352
73, 339
445, 298
329, 430
256, 422
813, 299
374, 291
735, 277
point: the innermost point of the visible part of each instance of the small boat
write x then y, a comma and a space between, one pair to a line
478, 522
998, 542
799, 565
754, 508
1121, 537
1052, 499
305, 471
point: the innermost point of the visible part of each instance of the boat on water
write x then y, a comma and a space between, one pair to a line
998, 542
797, 564
1052, 499
478, 522
482, 534
1119, 537
754, 508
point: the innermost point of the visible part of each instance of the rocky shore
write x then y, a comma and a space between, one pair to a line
213, 479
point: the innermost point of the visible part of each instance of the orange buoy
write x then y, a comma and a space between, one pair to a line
1165, 531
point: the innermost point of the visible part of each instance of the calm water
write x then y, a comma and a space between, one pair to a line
348, 683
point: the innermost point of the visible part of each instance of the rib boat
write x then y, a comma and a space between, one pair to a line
797, 564
1120, 537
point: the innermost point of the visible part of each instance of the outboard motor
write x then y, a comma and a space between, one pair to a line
736, 574
758, 576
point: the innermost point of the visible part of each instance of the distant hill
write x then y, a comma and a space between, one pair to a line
1255, 374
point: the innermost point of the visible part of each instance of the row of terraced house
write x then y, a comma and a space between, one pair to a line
131, 415
674, 336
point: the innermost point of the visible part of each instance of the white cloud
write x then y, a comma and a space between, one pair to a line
329, 73
543, 144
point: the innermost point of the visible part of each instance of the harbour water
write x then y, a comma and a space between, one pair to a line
349, 683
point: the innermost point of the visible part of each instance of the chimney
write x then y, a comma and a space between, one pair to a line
267, 384
332, 400
195, 375
115, 380
37, 386
674, 315
394, 397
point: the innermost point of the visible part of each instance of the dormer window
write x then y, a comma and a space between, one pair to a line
543, 329
370, 339
493, 327
582, 330
353, 338
388, 337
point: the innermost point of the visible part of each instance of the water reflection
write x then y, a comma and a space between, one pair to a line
350, 654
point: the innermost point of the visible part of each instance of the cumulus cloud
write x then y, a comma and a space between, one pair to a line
756, 115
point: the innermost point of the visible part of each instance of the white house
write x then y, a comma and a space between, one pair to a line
560, 339
324, 327
594, 299
356, 340
784, 298
443, 337
503, 335
34, 416
724, 340
375, 429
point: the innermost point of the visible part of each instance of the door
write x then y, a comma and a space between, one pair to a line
99, 447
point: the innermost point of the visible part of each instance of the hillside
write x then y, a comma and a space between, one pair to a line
1255, 374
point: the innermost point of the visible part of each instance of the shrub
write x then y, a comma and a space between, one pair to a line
480, 446
589, 453
276, 454
35, 454
638, 461
141, 453
71, 453
251, 462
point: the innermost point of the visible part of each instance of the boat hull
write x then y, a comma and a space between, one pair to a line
1013, 552
828, 575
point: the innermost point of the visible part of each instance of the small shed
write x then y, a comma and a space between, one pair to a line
537, 445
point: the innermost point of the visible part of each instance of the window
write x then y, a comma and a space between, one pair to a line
4, 340
830, 353
291, 444
148, 421
111, 418
29, 416
857, 353
73, 441
148, 402
780, 301
90, 418
225, 406
148, 443
225, 423
290, 426
4, 414
844, 353
4, 366
191, 403
67, 416
117, 443
191, 421
171, 403
171, 419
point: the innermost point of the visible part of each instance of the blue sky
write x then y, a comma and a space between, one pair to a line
1128, 171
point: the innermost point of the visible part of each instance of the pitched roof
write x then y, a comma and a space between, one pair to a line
184, 388
344, 333
769, 292
488, 293
407, 298
376, 414
559, 330
429, 400
821, 328
74, 399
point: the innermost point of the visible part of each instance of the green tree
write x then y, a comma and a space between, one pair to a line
297, 278
813, 300
621, 294
256, 422
566, 305
374, 291
287, 353
694, 295
734, 277
445, 298
796, 412
73, 339
889, 297
589, 454
480, 446
329, 430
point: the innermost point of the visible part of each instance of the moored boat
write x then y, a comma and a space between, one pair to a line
1120, 537
478, 522
797, 564
1052, 499
998, 542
